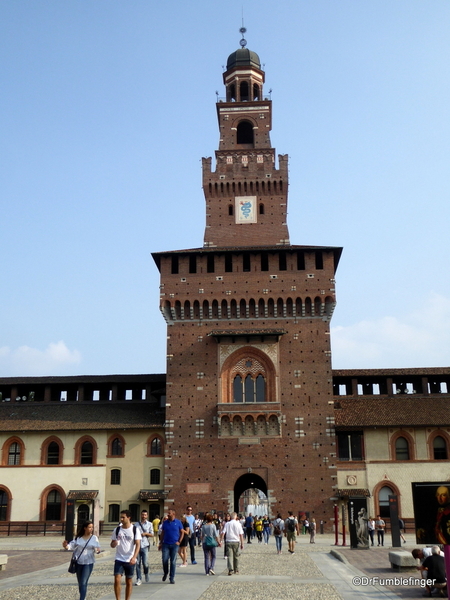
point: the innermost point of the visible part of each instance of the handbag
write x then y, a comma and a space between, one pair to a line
74, 560
210, 541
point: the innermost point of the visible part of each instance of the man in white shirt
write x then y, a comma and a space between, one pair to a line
234, 536
126, 539
146, 531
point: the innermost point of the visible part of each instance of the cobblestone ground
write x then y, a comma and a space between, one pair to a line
255, 562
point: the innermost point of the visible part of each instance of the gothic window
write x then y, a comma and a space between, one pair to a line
249, 383
4, 503
116, 447
156, 447
53, 453
53, 508
14, 454
383, 500
401, 449
439, 448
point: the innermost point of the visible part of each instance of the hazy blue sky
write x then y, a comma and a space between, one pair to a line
106, 108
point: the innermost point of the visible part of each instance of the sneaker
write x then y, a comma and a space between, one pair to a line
230, 572
194, 562
183, 565
164, 577
138, 582
172, 581
211, 572
147, 578
237, 572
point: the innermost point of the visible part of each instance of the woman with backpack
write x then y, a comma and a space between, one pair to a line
278, 528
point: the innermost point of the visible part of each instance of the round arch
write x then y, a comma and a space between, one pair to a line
246, 482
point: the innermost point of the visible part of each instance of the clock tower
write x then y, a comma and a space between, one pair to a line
249, 383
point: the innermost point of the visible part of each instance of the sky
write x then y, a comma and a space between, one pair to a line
106, 109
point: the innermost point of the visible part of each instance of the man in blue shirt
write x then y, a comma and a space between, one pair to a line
172, 533
191, 520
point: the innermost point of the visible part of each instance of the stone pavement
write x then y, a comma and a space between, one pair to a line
38, 569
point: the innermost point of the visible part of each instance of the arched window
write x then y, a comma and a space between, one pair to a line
116, 445
5, 504
243, 91
54, 505
156, 447
155, 477
383, 501
115, 476
248, 375
249, 385
53, 453
14, 453
245, 133
401, 449
439, 448
86, 451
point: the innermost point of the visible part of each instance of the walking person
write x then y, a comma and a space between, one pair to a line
84, 547
290, 529
266, 529
259, 529
227, 518
278, 528
155, 524
312, 531
146, 529
198, 529
249, 527
182, 548
210, 540
191, 537
235, 538
170, 536
371, 529
379, 526
126, 539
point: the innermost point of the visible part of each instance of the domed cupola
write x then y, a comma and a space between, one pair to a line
243, 58
243, 78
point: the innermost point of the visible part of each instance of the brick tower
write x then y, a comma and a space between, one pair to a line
249, 384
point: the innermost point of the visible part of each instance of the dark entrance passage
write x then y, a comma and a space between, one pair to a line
246, 482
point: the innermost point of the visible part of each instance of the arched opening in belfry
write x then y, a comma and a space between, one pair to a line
243, 91
250, 495
245, 133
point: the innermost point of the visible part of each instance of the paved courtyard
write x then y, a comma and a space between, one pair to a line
37, 568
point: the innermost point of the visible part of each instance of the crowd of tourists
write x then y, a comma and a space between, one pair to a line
179, 538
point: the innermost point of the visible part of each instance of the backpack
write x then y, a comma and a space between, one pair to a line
134, 531
277, 529
290, 524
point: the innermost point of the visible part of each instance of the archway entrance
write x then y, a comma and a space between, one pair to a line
83, 513
251, 490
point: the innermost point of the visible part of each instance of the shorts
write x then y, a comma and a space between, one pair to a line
123, 568
290, 536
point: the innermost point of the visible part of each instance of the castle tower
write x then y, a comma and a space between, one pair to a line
249, 384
